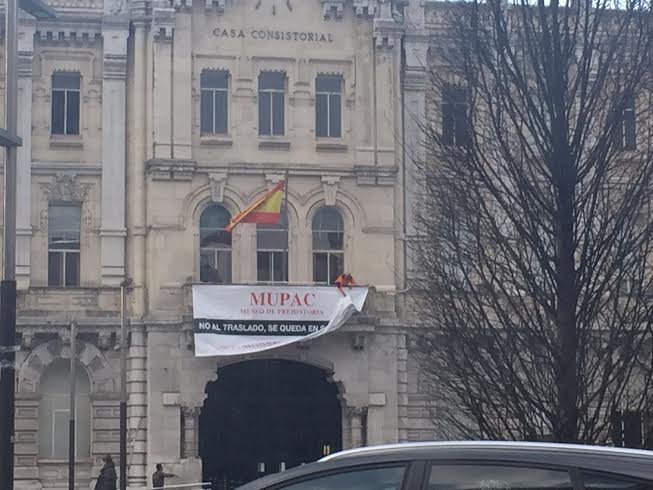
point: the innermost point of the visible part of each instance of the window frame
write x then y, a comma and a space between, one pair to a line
62, 254
412, 473
269, 94
571, 470
581, 475
83, 430
627, 119
330, 95
66, 91
213, 91
453, 97
271, 253
214, 249
327, 252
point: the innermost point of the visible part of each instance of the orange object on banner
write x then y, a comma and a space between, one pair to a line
264, 211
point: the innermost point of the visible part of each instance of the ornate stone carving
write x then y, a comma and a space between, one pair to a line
217, 182
76, 4
190, 412
273, 179
218, 5
365, 8
104, 340
332, 8
27, 339
115, 7
66, 188
189, 339
330, 185
274, 5
163, 24
355, 412
64, 336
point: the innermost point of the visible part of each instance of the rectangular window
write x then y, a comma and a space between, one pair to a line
215, 266
490, 475
360, 478
327, 266
65, 103
271, 253
63, 245
627, 428
603, 481
455, 123
625, 133
213, 105
60, 428
271, 105
328, 106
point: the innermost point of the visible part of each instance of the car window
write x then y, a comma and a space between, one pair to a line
486, 477
387, 478
598, 481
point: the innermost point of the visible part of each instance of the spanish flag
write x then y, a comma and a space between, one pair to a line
264, 211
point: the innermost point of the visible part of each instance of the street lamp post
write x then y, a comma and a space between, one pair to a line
9, 139
123, 384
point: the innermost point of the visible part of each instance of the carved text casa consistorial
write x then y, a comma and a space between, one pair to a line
263, 34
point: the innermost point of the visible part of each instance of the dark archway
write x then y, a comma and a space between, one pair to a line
262, 415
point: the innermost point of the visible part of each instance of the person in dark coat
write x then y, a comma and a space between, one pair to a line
159, 477
108, 477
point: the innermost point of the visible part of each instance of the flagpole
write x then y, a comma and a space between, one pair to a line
73, 407
286, 232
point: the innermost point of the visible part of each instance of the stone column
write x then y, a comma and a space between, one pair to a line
26, 30
402, 387
136, 142
114, 33
190, 435
387, 69
416, 43
362, 130
163, 30
26, 447
137, 407
182, 98
354, 427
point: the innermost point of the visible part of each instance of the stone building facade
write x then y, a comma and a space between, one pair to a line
145, 125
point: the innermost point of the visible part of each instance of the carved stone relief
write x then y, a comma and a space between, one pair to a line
65, 188
217, 182
330, 185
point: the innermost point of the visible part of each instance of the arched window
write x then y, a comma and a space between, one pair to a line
54, 411
328, 245
215, 246
272, 252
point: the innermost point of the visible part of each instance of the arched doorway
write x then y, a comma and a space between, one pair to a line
262, 416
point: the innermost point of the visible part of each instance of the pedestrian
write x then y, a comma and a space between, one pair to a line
107, 478
159, 477
344, 280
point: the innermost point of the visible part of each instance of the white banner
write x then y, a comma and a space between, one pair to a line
234, 320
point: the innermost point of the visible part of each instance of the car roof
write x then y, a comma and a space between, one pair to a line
422, 447
627, 462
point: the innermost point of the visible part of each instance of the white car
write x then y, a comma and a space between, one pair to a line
471, 466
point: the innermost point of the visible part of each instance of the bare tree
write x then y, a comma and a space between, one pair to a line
535, 229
